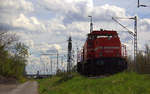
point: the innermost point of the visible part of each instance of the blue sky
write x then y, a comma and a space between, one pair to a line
46, 25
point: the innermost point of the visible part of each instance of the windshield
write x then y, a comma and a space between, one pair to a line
100, 36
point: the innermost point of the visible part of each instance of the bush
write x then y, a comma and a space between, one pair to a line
131, 65
12, 58
12, 67
142, 61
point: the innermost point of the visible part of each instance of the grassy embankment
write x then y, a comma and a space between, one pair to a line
121, 83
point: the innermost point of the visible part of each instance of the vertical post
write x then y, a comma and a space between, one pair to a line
57, 61
44, 68
91, 24
83, 62
62, 62
125, 51
69, 54
77, 55
138, 3
51, 66
135, 41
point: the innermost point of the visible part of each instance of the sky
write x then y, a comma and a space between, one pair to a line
45, 25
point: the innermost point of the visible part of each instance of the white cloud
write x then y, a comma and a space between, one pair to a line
65, 5
106, 12
29, 43
55, 24
13, 14
48, 48
19, 5
78, 10
145, 24
30, 23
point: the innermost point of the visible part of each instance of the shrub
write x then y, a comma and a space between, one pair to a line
13, 56
142, 64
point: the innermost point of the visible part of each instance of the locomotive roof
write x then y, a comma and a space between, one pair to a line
103, 32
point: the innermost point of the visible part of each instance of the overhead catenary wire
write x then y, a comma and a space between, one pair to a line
133, 34
129, 31
139, 4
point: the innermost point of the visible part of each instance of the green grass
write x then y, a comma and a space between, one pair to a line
121, 83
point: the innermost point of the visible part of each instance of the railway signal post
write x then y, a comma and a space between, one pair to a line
69, 54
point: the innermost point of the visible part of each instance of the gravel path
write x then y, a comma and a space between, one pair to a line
30, 87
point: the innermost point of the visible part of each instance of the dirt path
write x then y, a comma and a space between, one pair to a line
30, 87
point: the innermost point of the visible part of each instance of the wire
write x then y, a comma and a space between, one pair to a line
144, 4
130, 32
146, 1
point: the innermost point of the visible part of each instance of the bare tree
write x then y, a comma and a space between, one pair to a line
7, 39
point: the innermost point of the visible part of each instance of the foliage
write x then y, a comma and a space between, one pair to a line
131, 65
143, 61
12, 62
121, 83
21, 50
142, 64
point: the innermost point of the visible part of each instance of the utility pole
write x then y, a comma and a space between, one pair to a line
91, 24
133, 34
77, 54
51, 65
57, 60
62, 61
138, 4
57, 54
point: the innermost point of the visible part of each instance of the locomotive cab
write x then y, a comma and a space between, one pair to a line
102, 53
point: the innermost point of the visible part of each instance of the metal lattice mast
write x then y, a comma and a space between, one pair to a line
133, 34
135, 39
69, 54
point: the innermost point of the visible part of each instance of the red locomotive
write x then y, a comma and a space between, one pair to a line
102, 53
